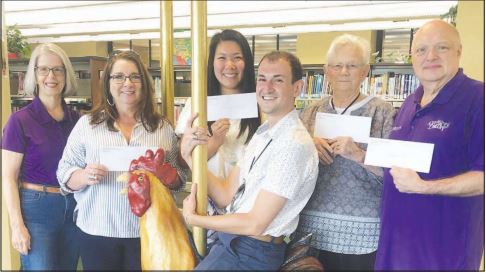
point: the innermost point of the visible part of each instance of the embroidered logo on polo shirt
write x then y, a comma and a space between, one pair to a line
438, 124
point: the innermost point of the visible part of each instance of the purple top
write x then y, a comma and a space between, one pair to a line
34, 133
434, 232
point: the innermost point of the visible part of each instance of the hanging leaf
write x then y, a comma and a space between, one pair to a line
16, 42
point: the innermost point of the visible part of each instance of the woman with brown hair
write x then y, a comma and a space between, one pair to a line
126, 117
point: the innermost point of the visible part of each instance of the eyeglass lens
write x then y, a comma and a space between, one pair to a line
44, 70
121, 78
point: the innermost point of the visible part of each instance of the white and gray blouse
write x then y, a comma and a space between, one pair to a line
102, 209
343, 212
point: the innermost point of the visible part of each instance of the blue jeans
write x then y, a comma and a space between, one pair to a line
242, 253
53, 234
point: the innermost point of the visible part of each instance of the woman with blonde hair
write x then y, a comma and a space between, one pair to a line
40, 214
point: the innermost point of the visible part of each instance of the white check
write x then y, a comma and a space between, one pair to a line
119, 158
333, 125
237, 106
406, 154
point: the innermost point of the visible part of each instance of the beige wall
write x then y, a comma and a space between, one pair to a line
470, 24
312, 47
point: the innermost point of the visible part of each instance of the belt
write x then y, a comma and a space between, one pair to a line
269, 239
38, 187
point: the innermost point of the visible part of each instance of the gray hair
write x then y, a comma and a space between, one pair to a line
350, 40
30, 83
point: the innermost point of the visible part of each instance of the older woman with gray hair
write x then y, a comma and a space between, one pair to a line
343, 212
41, 218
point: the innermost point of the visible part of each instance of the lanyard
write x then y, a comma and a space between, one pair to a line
255, 159
345, 109
234, 205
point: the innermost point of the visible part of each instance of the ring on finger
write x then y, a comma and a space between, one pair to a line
92, 177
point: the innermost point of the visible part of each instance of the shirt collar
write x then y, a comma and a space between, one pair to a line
447, 91
280, 126
41, 114
137, 124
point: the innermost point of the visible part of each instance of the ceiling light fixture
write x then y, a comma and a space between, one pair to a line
293, 29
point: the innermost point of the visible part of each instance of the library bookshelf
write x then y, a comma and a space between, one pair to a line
392, 82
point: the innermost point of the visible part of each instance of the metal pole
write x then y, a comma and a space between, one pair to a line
166, 65
150, 53
199, 94
10, 257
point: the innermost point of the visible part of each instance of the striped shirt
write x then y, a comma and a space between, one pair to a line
102, 209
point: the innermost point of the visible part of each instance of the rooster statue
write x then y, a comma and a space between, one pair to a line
164, 240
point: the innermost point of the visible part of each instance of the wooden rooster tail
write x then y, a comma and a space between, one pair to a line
164, 239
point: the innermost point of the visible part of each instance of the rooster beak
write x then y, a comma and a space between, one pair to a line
123, 178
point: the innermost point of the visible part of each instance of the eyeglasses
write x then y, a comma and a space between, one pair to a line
44, 70
349, 67
121, 78
420, 51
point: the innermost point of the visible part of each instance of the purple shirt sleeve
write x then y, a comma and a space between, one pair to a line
13, 136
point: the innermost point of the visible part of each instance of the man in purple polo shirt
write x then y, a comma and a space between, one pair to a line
435, 221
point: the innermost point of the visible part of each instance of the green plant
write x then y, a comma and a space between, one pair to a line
17, 43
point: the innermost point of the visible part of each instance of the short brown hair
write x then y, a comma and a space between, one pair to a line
295, 66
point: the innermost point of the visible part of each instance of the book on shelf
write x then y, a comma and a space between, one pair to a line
315, 86
391, 86
389, 81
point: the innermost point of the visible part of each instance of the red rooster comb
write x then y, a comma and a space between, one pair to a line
139, 185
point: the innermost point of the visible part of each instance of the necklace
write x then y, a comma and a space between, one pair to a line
345, 109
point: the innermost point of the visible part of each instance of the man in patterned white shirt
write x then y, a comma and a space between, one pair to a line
271, 184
